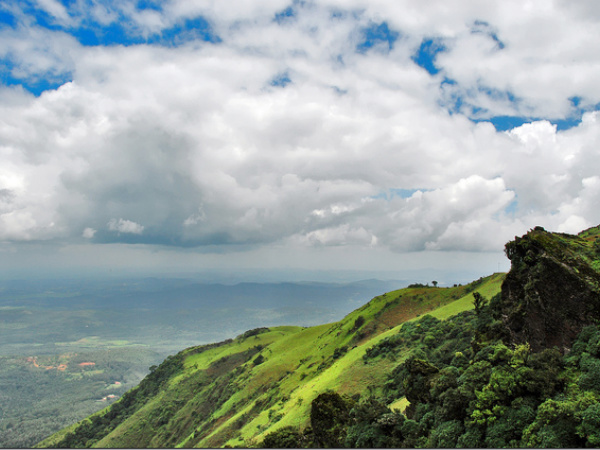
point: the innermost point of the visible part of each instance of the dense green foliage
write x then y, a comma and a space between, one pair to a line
38, 399
329, 419
498, 397
288, 437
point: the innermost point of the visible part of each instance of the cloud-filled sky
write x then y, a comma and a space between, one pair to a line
321, 134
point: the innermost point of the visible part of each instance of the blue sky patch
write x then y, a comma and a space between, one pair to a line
511, 209
480, 26
565, 124
149, 4
285, 15
121, 32
505, 123
377, 34
500, 95
455, 101
7, 19
34, 84
68, 3
395, 192
44, 20
91, 33
575, 101
281, 80
288, 13
425, 56
339, 90
113, 34
337, 14
449, 81
197, 29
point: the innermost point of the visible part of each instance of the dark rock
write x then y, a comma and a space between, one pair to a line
552, 290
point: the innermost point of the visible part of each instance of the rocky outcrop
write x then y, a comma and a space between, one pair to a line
552, 290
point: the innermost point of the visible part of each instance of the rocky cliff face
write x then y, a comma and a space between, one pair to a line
553, 288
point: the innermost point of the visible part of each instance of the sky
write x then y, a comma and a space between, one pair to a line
350, 135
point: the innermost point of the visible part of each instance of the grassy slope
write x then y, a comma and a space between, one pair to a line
222, 397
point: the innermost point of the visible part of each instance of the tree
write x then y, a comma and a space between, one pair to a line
286, 437
479, 302
329, 419
590, 425
435, 283
373, 425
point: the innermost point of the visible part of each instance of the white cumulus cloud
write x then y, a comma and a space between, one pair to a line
124, 226
89, 233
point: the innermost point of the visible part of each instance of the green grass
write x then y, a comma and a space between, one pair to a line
465, 303
349, 375
399, 405
94, 342
201, 361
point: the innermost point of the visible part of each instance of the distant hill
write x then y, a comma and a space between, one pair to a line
507, 360
164, 314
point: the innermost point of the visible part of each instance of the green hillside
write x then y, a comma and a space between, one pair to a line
237, 391
417, 367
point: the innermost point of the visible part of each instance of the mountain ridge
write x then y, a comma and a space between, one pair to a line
381, 315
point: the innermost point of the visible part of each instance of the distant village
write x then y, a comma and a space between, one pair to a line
62, 367
110, 396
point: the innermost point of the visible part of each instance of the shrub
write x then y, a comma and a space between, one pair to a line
286, 437
359, 322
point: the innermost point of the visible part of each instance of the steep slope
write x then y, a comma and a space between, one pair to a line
553, 288
238, 391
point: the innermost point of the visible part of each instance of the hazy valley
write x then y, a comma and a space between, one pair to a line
124, 326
